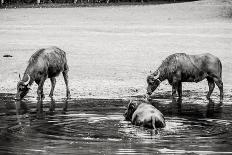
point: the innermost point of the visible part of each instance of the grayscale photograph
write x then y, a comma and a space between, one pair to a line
120, 77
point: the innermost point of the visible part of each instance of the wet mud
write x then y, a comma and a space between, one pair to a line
97, 126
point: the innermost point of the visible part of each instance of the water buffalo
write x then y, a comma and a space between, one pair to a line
144, 114
44, 63
181, 67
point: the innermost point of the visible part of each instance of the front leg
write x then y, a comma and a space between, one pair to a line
179, 90
174, 88
40, 95
53, 83
176, 84
40, 84
52, 105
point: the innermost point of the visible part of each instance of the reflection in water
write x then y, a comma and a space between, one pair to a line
214, 110
53, 105
97, 126
40, 106
178, 107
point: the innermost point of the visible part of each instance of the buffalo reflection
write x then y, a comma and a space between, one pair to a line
214, 110
22, 107
17, 107
192, 108
53, 105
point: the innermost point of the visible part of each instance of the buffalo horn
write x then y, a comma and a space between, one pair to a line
157, 76
26, 83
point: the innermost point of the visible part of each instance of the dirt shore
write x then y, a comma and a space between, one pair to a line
111, 49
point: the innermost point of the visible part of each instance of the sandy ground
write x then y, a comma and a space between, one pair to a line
111, 50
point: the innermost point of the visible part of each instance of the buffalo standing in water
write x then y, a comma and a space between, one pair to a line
144, 114
43, 64
180, 67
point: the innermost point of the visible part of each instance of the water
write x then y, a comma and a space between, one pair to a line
97, 126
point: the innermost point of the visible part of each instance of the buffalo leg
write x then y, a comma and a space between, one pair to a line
40, 90
65, 75
179, 90
211, 85
65, 106
52, 105
174, 88
219, 83
176, 81
175, 85
40, 95
53, 83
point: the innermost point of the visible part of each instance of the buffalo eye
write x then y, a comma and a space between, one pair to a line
21, 88
150, 81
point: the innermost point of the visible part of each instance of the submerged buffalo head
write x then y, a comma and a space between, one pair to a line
22, 88
153, 82
132, 106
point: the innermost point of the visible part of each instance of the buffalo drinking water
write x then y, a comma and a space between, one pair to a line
181, 67
44, 63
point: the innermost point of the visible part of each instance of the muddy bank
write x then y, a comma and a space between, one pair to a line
111, 50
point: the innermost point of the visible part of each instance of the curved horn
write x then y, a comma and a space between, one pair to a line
157, 76
27, 82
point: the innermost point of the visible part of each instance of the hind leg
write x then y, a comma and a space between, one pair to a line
53, 83
219, 83
65, 75
176, 84
211, 86
179, 90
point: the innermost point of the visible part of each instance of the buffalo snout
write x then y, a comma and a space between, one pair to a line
22, 90
20, 95
150, 90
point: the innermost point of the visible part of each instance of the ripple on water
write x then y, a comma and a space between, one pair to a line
170, 151
99, 125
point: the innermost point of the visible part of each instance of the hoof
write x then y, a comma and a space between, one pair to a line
52, 109
174, 98
50, 95
179, 99
68, 96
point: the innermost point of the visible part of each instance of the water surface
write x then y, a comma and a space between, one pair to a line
97, 126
